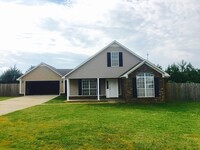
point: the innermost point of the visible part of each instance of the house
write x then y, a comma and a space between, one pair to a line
116, 72
42, 80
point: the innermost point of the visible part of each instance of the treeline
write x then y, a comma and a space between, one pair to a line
10, 75
182, 72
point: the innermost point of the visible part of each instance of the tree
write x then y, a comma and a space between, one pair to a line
31, 67
159, 66
174, 72
182, 65
10, 75
183, 72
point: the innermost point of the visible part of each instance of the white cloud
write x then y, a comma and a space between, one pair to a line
31, 27
168, 30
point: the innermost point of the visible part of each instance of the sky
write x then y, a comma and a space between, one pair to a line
64, 33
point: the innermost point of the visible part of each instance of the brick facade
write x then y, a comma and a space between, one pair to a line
127, 86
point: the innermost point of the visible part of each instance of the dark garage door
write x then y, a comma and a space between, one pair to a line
42, 87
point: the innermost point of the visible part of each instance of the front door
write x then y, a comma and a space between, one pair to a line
112, 88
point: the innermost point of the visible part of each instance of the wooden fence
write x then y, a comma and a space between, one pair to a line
9, 89
183, 91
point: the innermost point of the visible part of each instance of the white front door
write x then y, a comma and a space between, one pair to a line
112, 88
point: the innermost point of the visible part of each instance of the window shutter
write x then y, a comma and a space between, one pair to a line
79, 87
156, 84
120, 59
99, 87
66, 87
134, 87
108, 59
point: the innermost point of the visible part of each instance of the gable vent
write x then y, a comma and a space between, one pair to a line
114, 45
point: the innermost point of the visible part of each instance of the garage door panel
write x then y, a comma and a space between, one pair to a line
42, 87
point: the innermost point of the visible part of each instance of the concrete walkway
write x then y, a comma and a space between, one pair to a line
18, 103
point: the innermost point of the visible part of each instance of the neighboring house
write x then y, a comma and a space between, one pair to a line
116, 72
43, 80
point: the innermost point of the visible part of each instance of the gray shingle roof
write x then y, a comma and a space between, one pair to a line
60, 71
63, 71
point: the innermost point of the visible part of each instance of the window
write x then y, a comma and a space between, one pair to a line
114, 59
89, 87
145, 85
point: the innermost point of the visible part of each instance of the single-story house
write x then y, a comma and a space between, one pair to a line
116, 72
43, 80
113, 72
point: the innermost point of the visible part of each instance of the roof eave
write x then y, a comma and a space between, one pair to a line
28, 72
37, 67
163, 73
133, 69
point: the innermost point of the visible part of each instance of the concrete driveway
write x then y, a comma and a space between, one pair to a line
18, 103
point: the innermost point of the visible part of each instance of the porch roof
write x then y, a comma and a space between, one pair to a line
164, 74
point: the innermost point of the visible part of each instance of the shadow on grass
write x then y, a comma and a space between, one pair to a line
169, 106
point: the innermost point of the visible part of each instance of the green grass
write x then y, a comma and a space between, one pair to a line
102, 126
4, 98
59, 99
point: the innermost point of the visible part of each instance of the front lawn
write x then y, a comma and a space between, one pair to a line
4, 98
102, 126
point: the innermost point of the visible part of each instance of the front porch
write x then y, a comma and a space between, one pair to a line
90, 101
93, 89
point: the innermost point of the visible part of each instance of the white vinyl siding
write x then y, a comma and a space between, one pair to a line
145, 85
114, 59
89, 87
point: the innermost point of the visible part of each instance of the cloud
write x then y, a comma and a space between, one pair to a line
168, 30
61, 61
50, 24
38, 2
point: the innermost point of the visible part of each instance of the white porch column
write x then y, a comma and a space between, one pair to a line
68, 90
98, 97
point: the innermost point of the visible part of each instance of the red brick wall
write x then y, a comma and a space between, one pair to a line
128, 88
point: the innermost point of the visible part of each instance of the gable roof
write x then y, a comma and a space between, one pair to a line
60, 72
164, 74
114, 42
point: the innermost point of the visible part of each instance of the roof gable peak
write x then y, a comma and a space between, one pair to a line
41, 64
164, 74
112, 44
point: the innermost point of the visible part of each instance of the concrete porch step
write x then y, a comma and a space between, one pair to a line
96, 101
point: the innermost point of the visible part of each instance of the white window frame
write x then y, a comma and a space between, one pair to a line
145, 88
114, 58
88, 88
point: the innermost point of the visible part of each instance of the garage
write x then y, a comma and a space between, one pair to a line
42, 79
42, 87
